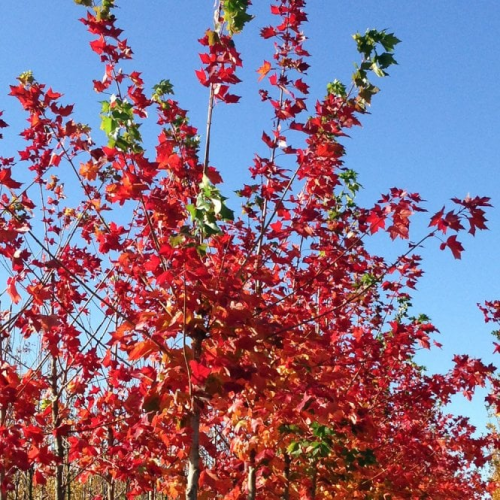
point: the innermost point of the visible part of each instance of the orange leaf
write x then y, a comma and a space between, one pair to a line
264, 70
142, 350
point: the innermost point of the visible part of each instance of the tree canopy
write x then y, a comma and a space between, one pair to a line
189, 342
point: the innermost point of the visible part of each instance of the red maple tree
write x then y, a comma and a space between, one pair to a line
190, 351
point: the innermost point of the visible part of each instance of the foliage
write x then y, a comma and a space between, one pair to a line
188, 350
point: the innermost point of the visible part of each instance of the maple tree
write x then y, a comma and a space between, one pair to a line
188, 350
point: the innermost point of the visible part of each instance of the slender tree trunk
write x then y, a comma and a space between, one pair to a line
30, 483
59, 445
68, 479
314, 478
251, 477
194, 456
111, 490
194, 452
3, 492
111, 481
286, 493
16, 486
3, 417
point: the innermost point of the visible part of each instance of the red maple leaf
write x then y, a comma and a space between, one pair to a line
454, 245
199, 372
376, 219
7, 180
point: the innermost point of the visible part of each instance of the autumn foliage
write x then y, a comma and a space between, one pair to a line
190, 349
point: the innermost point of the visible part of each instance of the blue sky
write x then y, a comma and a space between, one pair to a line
433, 129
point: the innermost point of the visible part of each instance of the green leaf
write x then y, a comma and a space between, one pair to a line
122, 144
226, 213
236, 15
108, 125
367, 45
202, 249
26, 77
336, 88
289, 428
192, 211
162, 88
176, 240
378, 71
389, 41
385, 60
217, 205
211, 228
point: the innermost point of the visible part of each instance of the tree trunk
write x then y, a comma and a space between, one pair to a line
3, 417
251, 477
111, 481
68, 481
194, 452
286, 493
314, 478
59, 445
30, 483
3, 492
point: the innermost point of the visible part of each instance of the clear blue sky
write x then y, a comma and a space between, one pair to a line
434, 128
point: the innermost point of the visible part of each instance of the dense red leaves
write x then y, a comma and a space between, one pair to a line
291, 340
23, 442
219, 65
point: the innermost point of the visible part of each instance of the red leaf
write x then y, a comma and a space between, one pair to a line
7, 180
214, 175
39, 478
231, 98
199, 372
376, 221
34, 433
41, 455
221, 93
305, 402
437, 220
267, 32
301, 86
12, 290
202, 77
142, 350
267, 140
454, 245
98, 45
